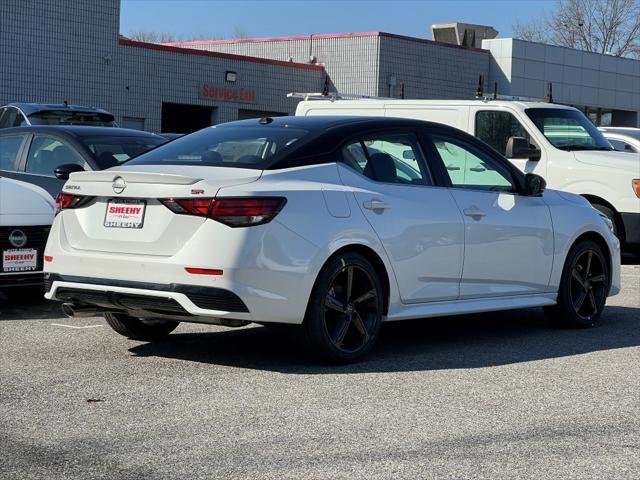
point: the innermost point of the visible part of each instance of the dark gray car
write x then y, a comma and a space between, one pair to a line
19, 114
46, 155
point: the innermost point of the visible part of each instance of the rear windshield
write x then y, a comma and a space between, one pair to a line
239, 147
111, 151
65, 117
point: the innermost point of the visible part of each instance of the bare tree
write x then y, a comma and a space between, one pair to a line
150, 36
604, 26
153, 37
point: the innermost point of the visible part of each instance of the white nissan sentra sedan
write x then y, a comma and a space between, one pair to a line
26, 213
332, 223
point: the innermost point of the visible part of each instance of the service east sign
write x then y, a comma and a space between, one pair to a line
228, 94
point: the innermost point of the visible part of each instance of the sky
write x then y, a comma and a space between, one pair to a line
265, 18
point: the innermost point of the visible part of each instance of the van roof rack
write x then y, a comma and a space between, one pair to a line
333, 96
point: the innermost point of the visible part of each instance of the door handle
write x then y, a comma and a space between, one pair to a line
474, 212
478, 169
452, 167
376, 205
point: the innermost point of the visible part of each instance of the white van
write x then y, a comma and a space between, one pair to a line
555, 141
26, 214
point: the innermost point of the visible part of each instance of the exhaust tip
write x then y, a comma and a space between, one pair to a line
74, 311
67, 309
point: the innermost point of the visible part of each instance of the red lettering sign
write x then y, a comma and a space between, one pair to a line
229, 94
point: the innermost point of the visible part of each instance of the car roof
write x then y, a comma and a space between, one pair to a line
31, 108
626, 131
80, 131
325, 122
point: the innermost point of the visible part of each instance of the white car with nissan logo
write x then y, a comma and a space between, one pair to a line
26, 214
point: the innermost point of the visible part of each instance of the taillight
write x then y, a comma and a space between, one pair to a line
189, 206
232, 211
636, 186
65, 201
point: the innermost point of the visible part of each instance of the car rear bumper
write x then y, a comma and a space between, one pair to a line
186, 302
631, 223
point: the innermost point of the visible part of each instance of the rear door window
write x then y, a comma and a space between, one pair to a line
388, 158
47, 153
9, 150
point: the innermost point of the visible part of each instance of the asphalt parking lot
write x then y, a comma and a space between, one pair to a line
501, 395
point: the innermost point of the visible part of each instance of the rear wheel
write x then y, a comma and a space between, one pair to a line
138, 328
345, 310
583, 287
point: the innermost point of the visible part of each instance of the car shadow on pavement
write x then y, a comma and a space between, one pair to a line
29, 309
470, 341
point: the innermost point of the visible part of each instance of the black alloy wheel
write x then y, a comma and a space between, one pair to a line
588, 284
345, 310
351, 309
584, 287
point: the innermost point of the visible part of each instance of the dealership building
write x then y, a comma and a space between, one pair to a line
74, 52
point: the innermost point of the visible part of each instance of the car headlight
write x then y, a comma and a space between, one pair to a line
609, 223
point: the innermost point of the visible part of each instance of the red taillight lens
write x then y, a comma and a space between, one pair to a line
244, 212
189, 206
232, 211
65, 201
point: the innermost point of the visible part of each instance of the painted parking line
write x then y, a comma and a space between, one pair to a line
73, 326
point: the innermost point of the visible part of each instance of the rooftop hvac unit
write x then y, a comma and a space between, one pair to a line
463, 34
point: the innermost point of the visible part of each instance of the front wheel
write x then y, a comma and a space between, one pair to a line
583, 287
138, 328
345, 310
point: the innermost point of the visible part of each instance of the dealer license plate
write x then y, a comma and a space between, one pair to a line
125, 213
20, 260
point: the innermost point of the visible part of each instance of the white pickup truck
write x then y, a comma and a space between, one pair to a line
555, 141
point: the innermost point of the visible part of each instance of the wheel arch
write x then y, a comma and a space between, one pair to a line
377, 263
602, 243
594, 199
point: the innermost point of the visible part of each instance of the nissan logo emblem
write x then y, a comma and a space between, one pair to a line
18, 238
119, 185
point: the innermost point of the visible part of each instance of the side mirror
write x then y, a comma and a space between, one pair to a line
63, 171
534, 185
519, 147
408, 155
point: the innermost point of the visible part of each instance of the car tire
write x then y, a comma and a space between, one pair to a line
139, 329
345, 309
584, 287
611, 215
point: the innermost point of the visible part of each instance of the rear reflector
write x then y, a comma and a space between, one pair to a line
203, 271
232, 211
48, 258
